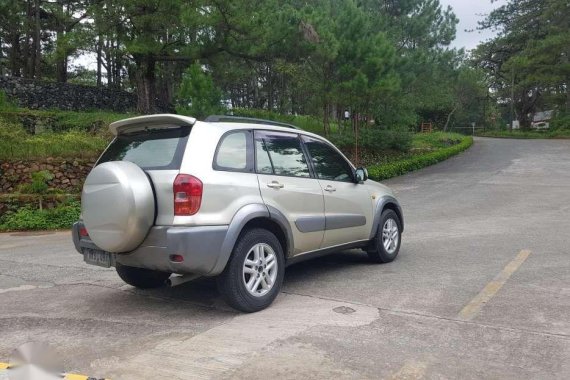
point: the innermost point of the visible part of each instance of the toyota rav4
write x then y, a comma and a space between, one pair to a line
172, 199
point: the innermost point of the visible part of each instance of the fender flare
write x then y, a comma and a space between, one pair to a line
380, 205
240, 219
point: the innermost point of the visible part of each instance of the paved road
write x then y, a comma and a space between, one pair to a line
481, 289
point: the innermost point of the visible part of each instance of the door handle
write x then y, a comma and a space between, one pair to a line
275, 185
330, 189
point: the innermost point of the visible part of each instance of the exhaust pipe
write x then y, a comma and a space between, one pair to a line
176, 279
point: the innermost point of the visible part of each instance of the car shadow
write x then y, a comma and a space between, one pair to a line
203, 292
334, 262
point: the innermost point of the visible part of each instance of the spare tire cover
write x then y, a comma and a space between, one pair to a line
117, 206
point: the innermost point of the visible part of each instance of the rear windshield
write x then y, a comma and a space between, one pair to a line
150, 149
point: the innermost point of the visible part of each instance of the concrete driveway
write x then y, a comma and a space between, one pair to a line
481, 289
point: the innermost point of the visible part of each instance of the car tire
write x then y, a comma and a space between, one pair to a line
253, 276
386, 245
142, 278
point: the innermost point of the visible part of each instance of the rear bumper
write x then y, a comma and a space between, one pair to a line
200, 247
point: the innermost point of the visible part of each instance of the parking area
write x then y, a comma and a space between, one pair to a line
481, 289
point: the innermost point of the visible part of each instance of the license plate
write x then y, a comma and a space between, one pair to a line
96, 257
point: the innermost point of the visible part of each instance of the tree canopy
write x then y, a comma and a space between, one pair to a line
386, 61
527, 63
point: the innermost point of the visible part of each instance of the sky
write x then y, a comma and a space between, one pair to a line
469, 12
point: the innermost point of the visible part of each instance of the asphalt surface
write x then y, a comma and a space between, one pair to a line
481, 289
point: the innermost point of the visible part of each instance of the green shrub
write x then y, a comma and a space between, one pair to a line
561, 121
30, 218
408, 164
39, 183
375, 139
198, 96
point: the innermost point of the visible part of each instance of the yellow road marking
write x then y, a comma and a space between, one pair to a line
410, 371
73, 376
4, 365
474, 306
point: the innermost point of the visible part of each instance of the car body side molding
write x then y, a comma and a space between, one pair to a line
310, 223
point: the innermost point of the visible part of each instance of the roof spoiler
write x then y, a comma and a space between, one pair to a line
140, 122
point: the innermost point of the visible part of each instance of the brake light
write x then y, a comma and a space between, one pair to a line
187, 194
83, 232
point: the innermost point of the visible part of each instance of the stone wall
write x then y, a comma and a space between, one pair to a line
36, 94
68, 175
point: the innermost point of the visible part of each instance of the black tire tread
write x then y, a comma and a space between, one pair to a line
230, 284
377, 253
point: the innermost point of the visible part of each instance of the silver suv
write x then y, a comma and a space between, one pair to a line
172, 199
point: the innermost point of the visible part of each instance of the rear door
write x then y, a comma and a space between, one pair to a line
348, 205
158, 150
286, 184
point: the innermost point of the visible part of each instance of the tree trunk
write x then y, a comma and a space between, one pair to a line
527, 107
326, 118
99, 58
61, 53
146, 83
449, 117
27, 67
15, 56
37, 40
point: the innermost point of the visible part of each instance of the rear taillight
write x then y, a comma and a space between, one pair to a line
187, 194
83, 232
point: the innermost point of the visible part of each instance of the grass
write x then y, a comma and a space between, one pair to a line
517, 134
15, 143
435, 140
73, 135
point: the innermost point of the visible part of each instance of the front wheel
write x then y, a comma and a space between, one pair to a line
254, 274
386, 244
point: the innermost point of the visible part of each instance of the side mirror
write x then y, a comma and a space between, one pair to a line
361, 175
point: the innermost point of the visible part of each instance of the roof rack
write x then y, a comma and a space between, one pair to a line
240, 119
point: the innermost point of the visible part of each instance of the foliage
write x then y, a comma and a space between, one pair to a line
561, 121
404, 165
39, 184
197, 95
306, 123
31, 218
387, 61
527, 62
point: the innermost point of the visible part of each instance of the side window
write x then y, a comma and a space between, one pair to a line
280, 154
232, 152
263, 164
328, 163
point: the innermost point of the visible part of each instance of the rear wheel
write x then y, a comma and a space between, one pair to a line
142, 278
254, 274
386, 244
